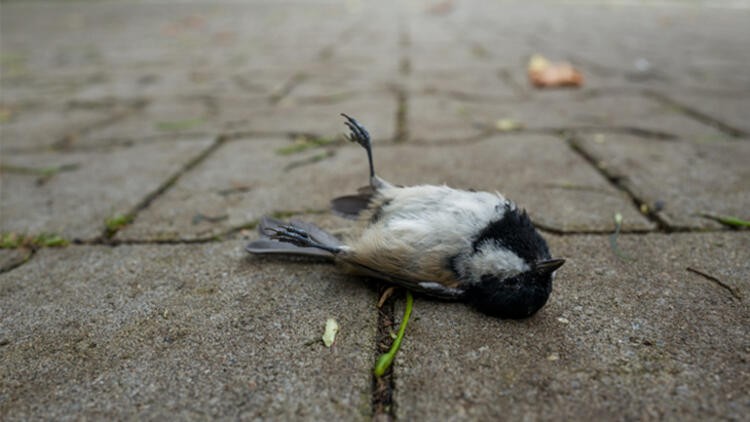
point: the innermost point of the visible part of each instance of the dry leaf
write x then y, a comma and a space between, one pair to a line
545, 74
332, 328
441, 8
507, 125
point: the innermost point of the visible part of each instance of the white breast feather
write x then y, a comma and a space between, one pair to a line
420, 225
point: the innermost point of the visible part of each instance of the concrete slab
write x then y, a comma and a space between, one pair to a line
687, 179
440, 118
29, 127
619, 46
478, 82
10, 258
250, 178
73, 194
201, 331
330, 82
636, 340
727, 107
539, 172
161, 118
319, 116
24, 85
150, 81
245, 180
188, 332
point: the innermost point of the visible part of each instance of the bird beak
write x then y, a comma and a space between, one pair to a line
547, 267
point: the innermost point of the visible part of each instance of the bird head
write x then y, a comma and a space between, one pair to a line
512, 267
516, 296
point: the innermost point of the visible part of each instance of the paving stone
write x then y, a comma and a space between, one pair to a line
30, 127
322, 118
469, 47
153, 81
185, 84
368, 48
651, 46
187, 332
187, 35
332, 82
10, 258
440, 118
469, 82
202, 331
161, 118
259, 82
243, 181
73, 194
727, 107
687, 178
533, 170
21, 87
248, 179
617, 340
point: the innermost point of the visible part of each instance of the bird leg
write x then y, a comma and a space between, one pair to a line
360, 135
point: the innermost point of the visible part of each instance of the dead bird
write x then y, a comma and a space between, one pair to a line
477, 247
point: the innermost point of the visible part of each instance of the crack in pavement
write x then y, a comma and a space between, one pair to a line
697, 115
383, 404
619, 182
20, 262
284, 90
732, 290
66, 141
130, 216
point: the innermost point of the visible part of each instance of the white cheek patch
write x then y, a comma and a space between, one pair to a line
494, 259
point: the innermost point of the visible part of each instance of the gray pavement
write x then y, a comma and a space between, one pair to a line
152, 136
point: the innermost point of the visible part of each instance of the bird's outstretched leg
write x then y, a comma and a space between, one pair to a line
360, 135
299, 237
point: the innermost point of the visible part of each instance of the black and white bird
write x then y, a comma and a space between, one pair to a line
448, 243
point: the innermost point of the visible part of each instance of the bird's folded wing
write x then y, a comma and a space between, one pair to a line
429, 288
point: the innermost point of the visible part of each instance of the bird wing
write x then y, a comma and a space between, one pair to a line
350, 206
429, 288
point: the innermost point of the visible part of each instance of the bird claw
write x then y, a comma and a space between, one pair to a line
358, 133
290, 234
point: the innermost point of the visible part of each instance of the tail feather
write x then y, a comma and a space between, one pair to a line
266, 245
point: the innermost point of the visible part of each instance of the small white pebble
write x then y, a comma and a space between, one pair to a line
642, 65
553, 357
563, 320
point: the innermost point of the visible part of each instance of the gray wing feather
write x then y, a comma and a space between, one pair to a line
351, 205
272, 247
429, 288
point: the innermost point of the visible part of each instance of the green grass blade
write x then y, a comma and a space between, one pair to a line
385, 360
728, 220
